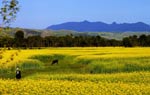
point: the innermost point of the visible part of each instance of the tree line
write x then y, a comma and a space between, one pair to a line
71, 41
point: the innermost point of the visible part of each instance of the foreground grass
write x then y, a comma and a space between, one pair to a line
134, 77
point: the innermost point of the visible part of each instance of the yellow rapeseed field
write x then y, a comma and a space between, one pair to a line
80, 53
121, 83
58, 87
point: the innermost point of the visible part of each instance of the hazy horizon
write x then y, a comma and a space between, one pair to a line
39, 14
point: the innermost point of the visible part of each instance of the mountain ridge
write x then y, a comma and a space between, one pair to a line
86, 26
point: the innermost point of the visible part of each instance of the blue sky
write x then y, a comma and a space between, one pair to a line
39, 14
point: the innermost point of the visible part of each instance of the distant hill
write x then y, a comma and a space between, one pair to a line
44, 33
87, 26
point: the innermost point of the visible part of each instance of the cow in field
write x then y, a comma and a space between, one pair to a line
54, 62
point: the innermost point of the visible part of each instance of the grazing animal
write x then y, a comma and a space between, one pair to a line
54, 62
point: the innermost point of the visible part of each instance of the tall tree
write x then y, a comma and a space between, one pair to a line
127, 42
19, 38
143, 40
8, 11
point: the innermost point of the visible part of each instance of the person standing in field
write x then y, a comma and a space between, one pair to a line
18, 73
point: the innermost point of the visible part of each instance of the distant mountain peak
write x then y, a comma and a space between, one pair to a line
114, 23
87, 26
142, 23
86, 21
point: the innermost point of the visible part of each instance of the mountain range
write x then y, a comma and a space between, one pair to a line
86, 26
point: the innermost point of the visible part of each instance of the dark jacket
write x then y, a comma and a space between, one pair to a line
18, 74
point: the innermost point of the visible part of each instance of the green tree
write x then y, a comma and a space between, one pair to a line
8, 11
19, 38
127, 42
143, 40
